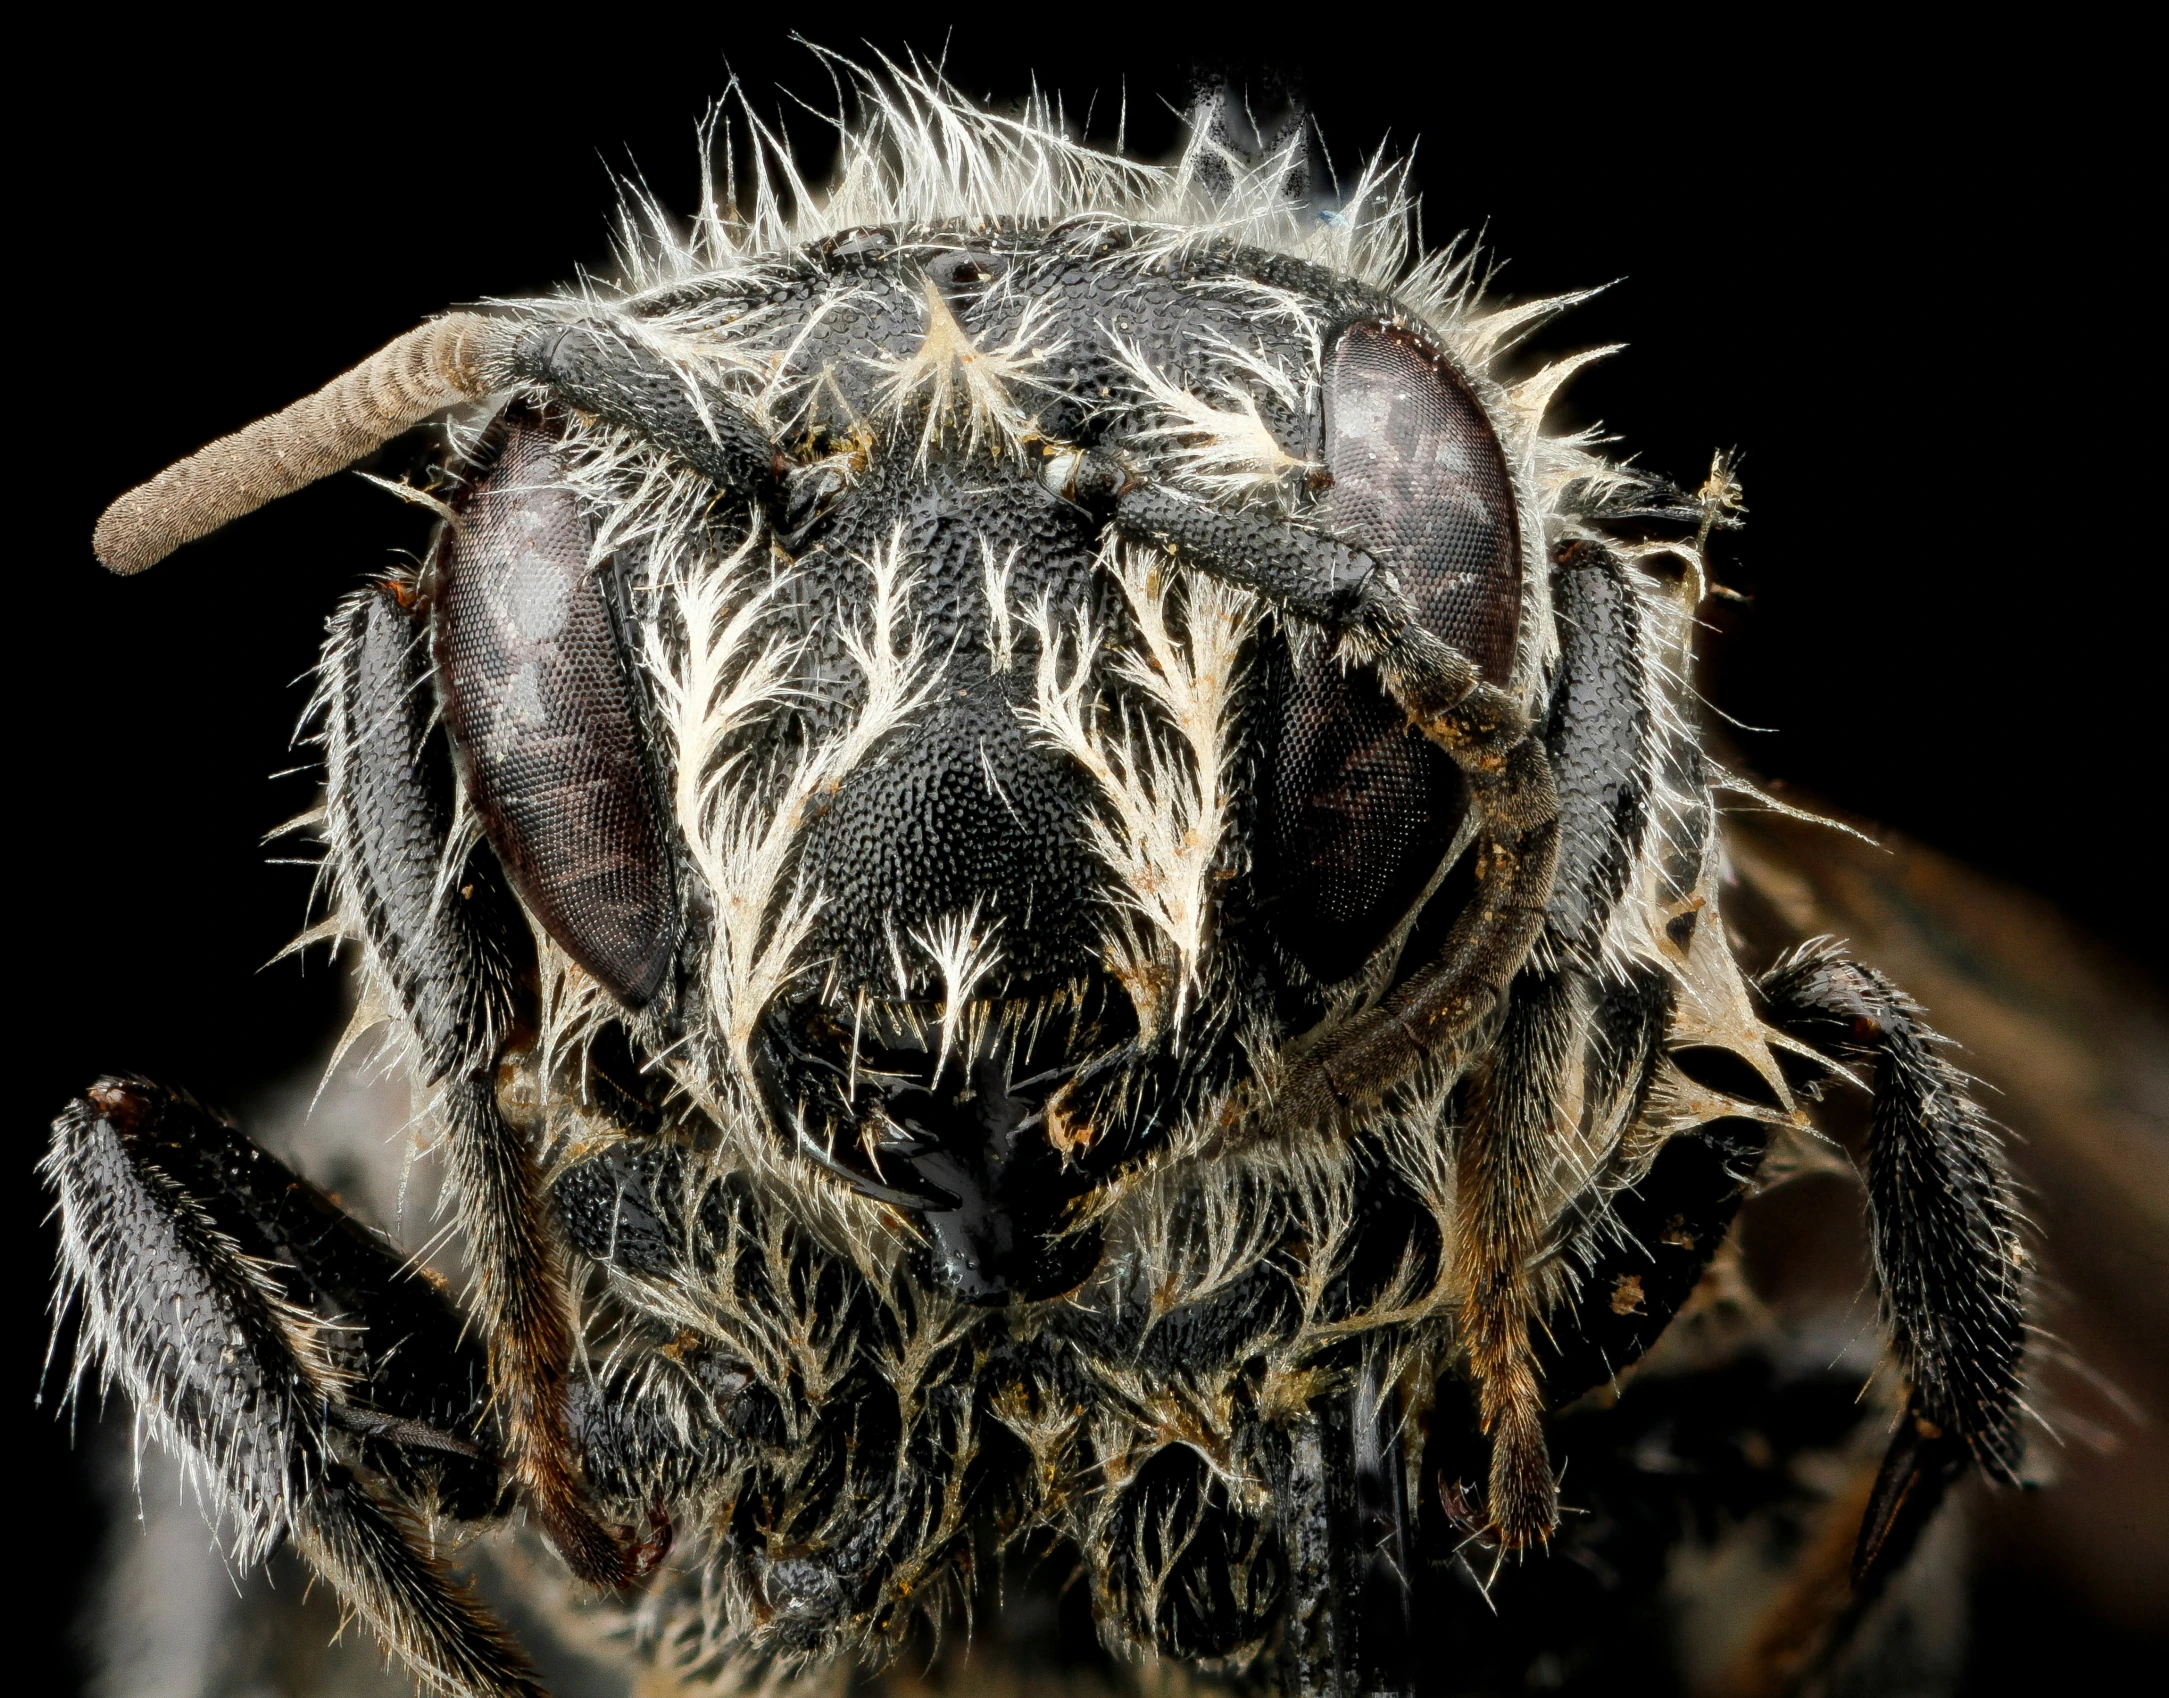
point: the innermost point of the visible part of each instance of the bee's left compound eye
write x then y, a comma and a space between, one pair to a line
1420, 482
543, 715
1360, 808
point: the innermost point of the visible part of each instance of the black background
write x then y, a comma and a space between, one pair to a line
1877, 265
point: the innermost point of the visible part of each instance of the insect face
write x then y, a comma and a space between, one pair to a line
1037, 830
950, 830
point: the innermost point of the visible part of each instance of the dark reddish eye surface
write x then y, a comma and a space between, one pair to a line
1358, 808
1420, 483
539, 705
1359, 811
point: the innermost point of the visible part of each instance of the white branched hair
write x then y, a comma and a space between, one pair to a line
1165, 785
911, 150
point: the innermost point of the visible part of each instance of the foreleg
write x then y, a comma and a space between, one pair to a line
1943, 1224
1504, 1160
520, 1296
405, 1378
182, 1304
1597, 739
444, 943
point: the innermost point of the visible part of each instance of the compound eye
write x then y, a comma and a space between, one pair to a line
542, 712
1359, 810
1420, 483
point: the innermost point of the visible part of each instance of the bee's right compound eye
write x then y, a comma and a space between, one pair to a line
1359, 808
541, 710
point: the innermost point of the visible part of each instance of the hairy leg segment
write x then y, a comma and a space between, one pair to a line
1943, 1218
446, 946
316, 1387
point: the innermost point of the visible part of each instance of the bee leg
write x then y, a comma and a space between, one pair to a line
406, 1379
1478, 725
1504, 1161
222, 1293
444, 944
1603, 742
1943, 1223
1564, 810
1600, 742
595, 368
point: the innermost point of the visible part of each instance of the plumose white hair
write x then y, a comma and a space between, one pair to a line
1152, 727
911, 150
